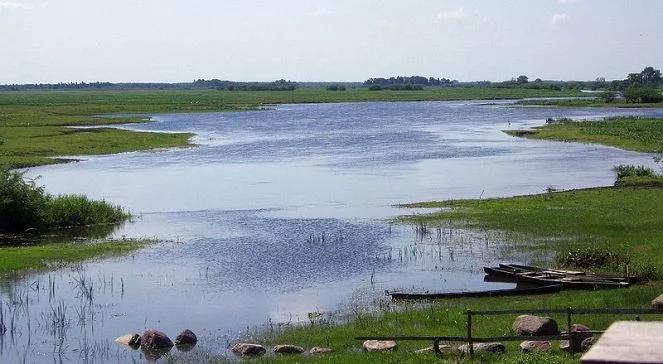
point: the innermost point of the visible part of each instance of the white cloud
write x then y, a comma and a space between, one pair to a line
320, 12
559, 18
457, 14
567, 2
14, 5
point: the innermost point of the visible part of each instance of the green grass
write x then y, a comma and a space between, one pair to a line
446, 318
631, 133
588, 103
17, 259
33, 124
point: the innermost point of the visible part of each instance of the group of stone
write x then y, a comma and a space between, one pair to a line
525, 325
249, 349
155, 343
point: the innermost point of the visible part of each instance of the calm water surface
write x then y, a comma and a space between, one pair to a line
279, 213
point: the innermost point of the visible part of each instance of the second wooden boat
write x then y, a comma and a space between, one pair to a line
554, 288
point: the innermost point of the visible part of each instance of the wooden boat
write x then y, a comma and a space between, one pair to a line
530, 268
554, 288
571, 282
546, 278
519, 268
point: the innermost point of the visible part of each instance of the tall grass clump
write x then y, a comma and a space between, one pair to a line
624, 170
25, 205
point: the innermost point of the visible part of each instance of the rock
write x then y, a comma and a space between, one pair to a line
288, 349
153, 355
320, 350
527, 325
587, 343
186, 337
248, 349
443, 348
131, 340
153, 339
497, 348
657, 302
378, 345
535, 346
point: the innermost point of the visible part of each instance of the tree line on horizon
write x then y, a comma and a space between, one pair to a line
636, 87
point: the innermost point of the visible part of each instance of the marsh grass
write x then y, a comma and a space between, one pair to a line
25, 205
631, 133
16, 259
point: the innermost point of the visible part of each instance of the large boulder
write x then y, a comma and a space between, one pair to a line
535, 346
288, 349
496, 348
131, 340
248, 349
186, 337
320, 350
379, 345
527, 325
657, 302
155, 340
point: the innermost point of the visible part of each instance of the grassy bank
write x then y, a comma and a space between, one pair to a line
33, 125
16, 259
446, 318
587, 102
631, 133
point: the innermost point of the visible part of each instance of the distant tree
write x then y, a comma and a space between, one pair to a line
522, 79
607, 96
652, 76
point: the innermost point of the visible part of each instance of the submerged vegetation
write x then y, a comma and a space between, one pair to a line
631, 133
24, 205
621, 220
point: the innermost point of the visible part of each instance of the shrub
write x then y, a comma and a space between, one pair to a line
25, 205
624, 170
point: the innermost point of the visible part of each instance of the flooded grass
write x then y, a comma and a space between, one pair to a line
16, 259
624, 220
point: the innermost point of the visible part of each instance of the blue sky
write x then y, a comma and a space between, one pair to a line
175, 40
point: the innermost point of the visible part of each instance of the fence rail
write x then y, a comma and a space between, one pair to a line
572, 337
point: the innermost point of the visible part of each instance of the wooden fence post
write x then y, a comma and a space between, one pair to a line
469, 332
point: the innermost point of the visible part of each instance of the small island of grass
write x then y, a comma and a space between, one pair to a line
630, 133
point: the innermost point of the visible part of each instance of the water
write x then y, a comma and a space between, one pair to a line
279, 213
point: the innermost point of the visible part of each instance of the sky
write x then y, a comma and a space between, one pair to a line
45, 41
